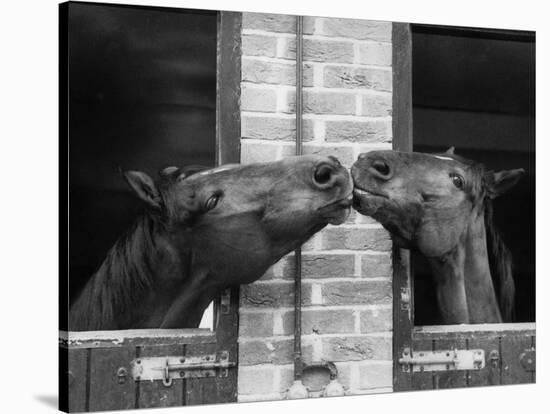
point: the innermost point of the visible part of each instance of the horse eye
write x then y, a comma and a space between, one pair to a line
211, 202
458, 181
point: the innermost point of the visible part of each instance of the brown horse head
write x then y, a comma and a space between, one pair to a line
209, 229
242, 218
440, 205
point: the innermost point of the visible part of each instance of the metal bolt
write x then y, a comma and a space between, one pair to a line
182, 374
138, 361
182, 360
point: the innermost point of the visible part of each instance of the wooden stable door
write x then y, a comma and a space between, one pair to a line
451, 356
115, 370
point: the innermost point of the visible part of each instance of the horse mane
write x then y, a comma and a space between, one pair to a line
500, 265
120, 281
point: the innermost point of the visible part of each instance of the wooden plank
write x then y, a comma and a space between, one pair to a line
76, 375
490, 375
201, 390
449, 379
402, 316
135, 337
402, 141
489, 328
155, 393
423, 380
512, 345
78, 380
106, 392
402, 122
534, 346
228, 108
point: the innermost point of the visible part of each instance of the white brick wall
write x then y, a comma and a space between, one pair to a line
346, 290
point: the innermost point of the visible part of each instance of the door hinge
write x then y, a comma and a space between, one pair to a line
168, 368
451, 360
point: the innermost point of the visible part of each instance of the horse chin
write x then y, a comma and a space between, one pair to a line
338, 211
367, 203
339, 216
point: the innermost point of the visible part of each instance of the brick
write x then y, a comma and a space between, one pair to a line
334, 51
270, 22
357, 348
376, 320
344, 154
307, 75
344, 374
272, 295
375, 375
375, 54
256, 380
311, 243
317, 266
335, 76
258, 45
255, 324
357, 239
327, 321
274, 128
267, 351
257, 152
315, 102
376, 105
376, 265
362, 219
321, 321
357, 29
309, 24
286, 375
288, 323
289, 49
358, 131
357, 293
258, 99
259, 71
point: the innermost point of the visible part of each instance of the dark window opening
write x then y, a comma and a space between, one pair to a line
142, 93
475, 90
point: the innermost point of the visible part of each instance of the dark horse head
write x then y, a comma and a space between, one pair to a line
207, 230
441, 205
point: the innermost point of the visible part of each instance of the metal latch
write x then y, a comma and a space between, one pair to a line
451, 360
172, 367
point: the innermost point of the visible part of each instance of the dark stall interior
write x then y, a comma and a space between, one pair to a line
475, 90
142, 96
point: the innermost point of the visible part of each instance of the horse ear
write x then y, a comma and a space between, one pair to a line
144, 187
450, 151
502, 181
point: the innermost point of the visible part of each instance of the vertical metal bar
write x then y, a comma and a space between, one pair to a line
298, 252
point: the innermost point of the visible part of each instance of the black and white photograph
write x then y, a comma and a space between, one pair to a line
267, 207
259, 206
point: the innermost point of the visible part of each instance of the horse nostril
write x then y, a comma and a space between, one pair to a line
381, 167
323, 174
